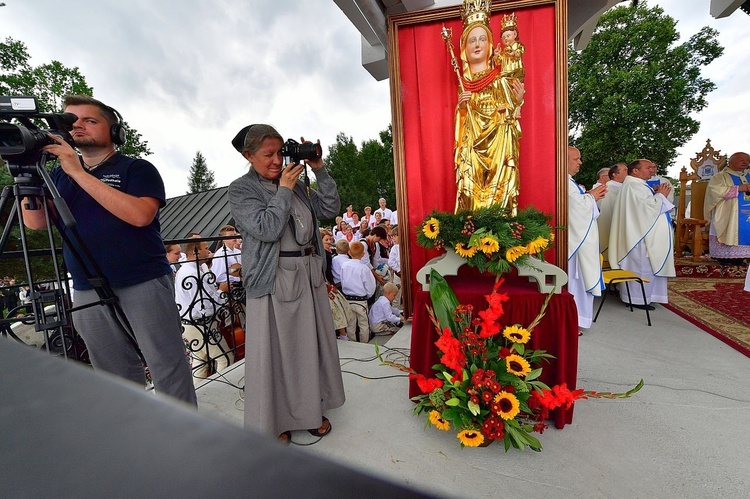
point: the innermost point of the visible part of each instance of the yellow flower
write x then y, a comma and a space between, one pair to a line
537, 245
488, 245
440, 423
517, 365
465, 251
431, 228
506, 405
515, 253
517, 334
471, 438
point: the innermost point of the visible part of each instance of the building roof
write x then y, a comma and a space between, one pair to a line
204, 212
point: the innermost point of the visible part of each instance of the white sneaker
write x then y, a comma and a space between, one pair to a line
343, 338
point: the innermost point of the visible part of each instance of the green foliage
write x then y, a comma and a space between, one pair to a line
487, 237
201, 178
363, 176
50, 83
632, 91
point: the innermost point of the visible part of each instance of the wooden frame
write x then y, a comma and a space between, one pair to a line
417, 66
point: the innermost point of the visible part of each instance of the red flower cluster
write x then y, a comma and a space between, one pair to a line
426, 384
544, 402
493, 427
488, 325
453, 353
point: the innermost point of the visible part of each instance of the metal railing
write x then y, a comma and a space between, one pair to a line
213, 320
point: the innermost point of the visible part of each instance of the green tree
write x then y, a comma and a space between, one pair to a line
363, 175
201, 178
632, 91
50, 83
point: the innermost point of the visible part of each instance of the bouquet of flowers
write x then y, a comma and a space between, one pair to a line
487, 386
488, 238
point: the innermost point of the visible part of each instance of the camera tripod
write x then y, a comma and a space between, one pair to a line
33, 183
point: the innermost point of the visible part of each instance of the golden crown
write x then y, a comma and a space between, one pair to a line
476, 11
509, 21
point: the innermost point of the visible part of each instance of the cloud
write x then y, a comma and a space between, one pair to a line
188, 75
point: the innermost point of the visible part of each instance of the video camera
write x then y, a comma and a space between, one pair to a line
297, 152
21, 143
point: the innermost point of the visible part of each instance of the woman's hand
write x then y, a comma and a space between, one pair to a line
290, 175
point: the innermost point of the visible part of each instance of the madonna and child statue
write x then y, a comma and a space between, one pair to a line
490, 97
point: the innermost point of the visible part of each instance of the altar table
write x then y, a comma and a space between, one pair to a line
557, 333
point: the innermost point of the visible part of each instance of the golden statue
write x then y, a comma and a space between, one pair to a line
490, 97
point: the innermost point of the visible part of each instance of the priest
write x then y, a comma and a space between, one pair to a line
641, 237
584, 264
727, 206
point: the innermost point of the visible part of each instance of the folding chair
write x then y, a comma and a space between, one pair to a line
613, 277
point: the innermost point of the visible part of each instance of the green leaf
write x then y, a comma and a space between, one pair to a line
452, 402
444, 301
534, 374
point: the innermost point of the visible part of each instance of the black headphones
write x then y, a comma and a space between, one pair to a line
117, 132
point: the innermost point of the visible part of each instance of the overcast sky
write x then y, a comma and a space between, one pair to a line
189, 74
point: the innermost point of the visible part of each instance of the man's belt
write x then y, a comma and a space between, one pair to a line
355, 298
303, 252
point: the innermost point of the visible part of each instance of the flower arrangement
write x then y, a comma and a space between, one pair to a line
487, 385
488, 238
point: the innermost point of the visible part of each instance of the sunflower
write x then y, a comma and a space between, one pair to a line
465, 251
517, 365
440, 423
537, 245
488, 245
431, 228
471, 438
517, 334
506, 405
515, 253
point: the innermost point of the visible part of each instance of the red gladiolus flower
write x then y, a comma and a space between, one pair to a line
425, 384
504, 352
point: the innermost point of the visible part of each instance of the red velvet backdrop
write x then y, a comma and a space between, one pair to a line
428, 93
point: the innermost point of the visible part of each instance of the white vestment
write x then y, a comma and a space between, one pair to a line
606, 205
584, 265
641, 240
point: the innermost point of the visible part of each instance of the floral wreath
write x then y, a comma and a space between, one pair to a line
488, 238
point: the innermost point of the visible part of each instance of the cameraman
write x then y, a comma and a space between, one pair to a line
115, 200
292, 365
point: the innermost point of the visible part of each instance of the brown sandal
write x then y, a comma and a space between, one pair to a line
323, 430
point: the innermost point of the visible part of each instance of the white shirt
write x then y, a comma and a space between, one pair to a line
356, 278
199, 300
394, 217
219, 263
394, 259
385, 213
382, 310
336, 267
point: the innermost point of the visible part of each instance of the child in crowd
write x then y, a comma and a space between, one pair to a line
357, 285
384, 318
394, 263
342, 254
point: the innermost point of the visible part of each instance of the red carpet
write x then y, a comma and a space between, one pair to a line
719, 306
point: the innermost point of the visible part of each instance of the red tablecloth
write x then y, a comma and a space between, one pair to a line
557, 333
